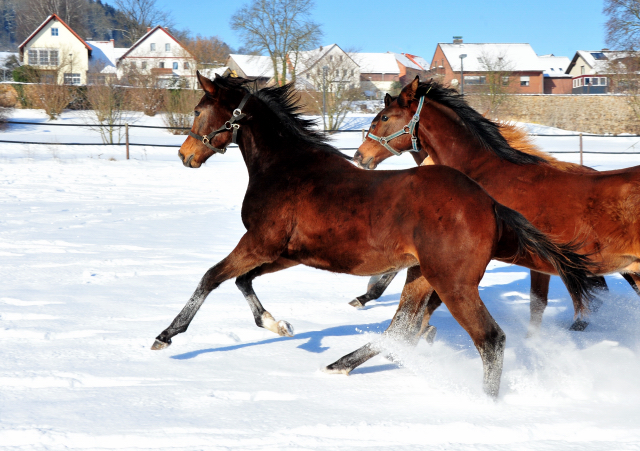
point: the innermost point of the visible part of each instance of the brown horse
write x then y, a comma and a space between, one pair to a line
305, 203
559, 198
521, 140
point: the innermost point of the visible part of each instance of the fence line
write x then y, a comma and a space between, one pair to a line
363, 131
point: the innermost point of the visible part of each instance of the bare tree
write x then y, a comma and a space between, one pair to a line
497, 70
108, 103
623, 24
147, 94
279, 28
211, 51
179, 104
138, 15
31, 13
330, 86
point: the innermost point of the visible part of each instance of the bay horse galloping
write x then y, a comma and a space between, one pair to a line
603, 208
306, 204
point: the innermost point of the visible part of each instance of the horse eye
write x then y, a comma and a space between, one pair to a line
197, 113
385, 118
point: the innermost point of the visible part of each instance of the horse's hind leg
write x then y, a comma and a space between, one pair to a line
406, 324
375, 288
427, 330
581, 323
262, 317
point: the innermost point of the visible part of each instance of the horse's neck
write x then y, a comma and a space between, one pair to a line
451, 144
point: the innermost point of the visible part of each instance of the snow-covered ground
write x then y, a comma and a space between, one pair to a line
98, 255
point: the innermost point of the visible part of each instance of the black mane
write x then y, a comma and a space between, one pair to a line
484, 130
283, 101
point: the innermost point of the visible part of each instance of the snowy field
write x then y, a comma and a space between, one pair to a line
98, 254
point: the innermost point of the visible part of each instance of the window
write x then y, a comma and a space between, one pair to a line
353, 72
44, 58
167, 47
581, 70
475, 80
33, 57
132, 65
505, 81
153, 47
603, 81
71, 79
330, 57
54, 32
161, 64
344, 73
143, 65
175, 65
524, 80
186, 65
53, 58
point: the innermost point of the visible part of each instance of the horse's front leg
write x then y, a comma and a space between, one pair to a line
375, 288
248, 254
262, 317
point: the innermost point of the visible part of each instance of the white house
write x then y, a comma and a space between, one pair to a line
378, 73
160, 54
57, 51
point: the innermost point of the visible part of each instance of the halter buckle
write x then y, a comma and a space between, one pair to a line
205, 140
237, 112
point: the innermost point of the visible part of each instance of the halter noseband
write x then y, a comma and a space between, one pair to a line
410, 128
230, 124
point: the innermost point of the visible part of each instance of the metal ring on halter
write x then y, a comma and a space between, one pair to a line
237, 112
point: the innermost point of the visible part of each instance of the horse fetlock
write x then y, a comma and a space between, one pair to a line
356, 303
282, 328
336, 369
160, 344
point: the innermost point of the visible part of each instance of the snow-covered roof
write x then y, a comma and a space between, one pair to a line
515, 57
211, 72
254, 65
105, 54
555, 65
600, 60
411, 61
376, 63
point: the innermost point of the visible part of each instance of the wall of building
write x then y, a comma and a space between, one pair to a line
557, 85
585, 113
73, 55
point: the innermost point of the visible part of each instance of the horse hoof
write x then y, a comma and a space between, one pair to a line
285, 329
430, 334
579, 325
334, 370
158, 345
356, 303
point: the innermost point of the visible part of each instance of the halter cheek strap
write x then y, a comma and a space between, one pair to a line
410, 129
229, 125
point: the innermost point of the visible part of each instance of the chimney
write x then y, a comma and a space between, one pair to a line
148, 29
457, 39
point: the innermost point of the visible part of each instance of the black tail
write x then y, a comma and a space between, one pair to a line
574, 269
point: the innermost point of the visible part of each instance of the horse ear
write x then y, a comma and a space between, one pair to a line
206, 84
387, 100
408, 93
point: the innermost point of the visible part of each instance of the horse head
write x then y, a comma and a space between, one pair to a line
396, 116
215, 124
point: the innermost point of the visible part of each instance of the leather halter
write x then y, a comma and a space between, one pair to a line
229, 125
410, 128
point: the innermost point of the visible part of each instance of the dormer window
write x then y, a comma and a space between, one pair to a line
153, 47
167, 47
54, 32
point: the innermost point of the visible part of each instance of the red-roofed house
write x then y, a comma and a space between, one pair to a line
160, 54
55, 48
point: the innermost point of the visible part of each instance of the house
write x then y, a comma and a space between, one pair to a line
159, 54
411, 66
522, 70
328, 66
378, 73
103, 62
254, 67
61, 55
556, 80
602, 71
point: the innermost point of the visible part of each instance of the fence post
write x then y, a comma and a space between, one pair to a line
581, 148
363, 135
126, 135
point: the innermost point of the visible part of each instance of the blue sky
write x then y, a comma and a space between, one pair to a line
550, 26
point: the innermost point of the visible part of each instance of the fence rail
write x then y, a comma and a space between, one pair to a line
581, 151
